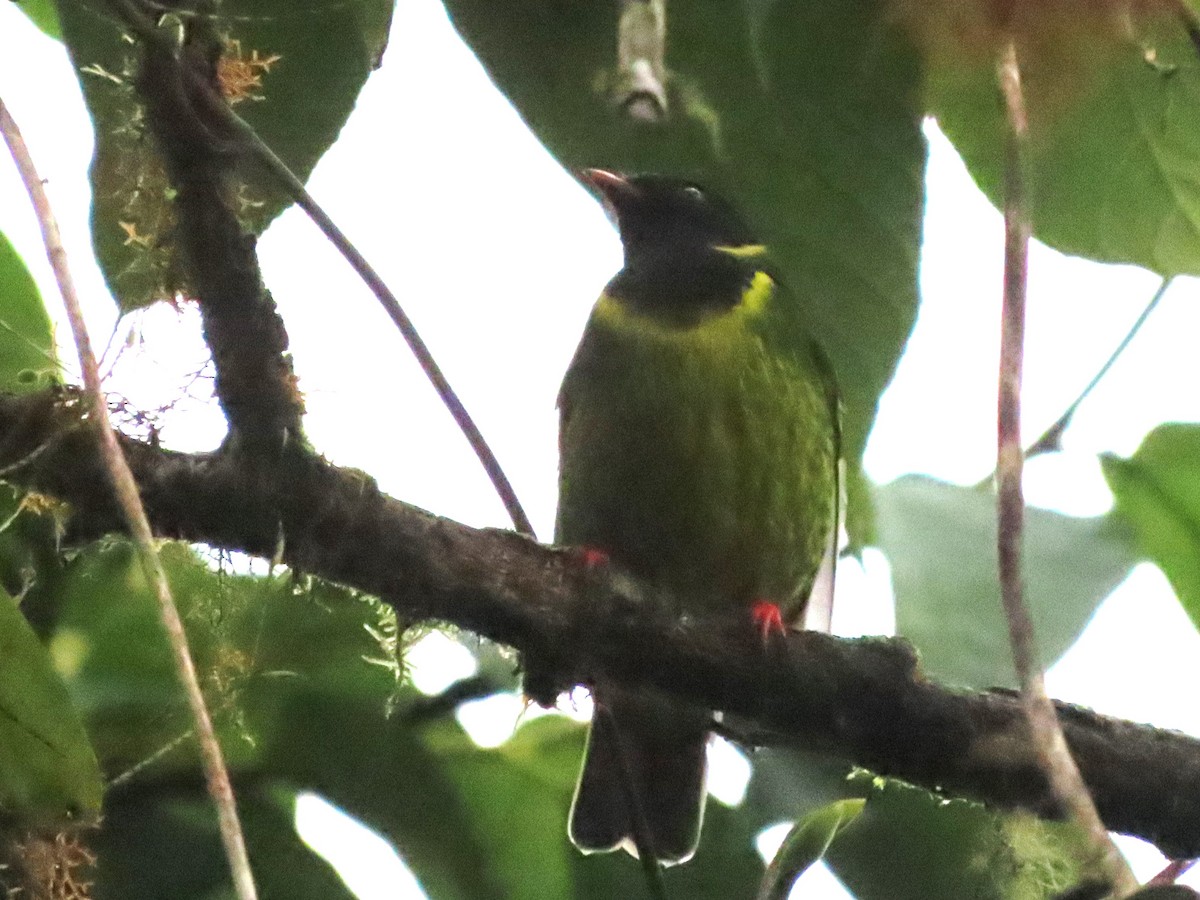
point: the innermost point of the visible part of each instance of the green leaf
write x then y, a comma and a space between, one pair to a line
300, 65
383, 773
1157, 493
805, 115
1114, 128
250, 637
909, 844
805, 844
160, 839
48, 772
471, 822
241, 630
941, 542
288, 669
787, 784
27, 358
30, 563
43, 15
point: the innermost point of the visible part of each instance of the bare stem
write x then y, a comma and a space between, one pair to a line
1171, 873
134, 514
1046, 732
1051, 438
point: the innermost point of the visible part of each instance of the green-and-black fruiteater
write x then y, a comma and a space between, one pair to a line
700, 444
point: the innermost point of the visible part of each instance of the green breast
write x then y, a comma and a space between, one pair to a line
698, 457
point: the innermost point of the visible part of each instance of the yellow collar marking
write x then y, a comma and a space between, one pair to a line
755, 297
742, 251
754, 301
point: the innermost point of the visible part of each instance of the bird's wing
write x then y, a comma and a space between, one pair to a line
818, 611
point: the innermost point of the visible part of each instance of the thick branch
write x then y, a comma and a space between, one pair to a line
861, 700
255, 383
198, 134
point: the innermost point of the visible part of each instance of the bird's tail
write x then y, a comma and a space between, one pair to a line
662, 747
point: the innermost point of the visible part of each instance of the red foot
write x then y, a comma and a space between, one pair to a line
768, 618
592, 557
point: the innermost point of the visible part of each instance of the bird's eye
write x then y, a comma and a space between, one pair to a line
694, 192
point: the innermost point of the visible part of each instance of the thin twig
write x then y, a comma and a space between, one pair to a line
294, 188
466, 424
1171, 873
1051, 438
134, 514
1046, 732
642, 839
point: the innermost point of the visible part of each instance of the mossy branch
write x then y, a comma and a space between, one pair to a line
862, 700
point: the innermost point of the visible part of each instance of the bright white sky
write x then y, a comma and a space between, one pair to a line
445, 191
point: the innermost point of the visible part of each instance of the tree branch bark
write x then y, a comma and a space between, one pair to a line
255, 383
862, 700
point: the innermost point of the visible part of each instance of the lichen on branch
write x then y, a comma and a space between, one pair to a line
862, 700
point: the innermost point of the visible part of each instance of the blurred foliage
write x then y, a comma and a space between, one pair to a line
48, 772
805, 844
910, 845
291, 68
27, 356
138, 850
940, 540
808, 117
43, 14
1157, 492
1112, 92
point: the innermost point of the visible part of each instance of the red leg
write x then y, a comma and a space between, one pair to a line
768, 618
592, 557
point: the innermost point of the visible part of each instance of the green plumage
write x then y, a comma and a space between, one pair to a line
699, 448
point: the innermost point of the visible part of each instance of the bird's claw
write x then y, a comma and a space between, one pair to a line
768, 619
592, 557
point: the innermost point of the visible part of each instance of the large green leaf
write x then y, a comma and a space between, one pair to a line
48, 771
477, 823
247, 634
1114, 125
804, 114
30, 562
806, 843
43, 14
911, 845
787, 784
534, 774
1157, 492
27, 358
287, 669
300, 63
941, 542
160, 839
241, 630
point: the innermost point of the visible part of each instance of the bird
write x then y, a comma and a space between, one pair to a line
700, 450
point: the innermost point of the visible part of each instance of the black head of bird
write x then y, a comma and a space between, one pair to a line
687, 252
657, 212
